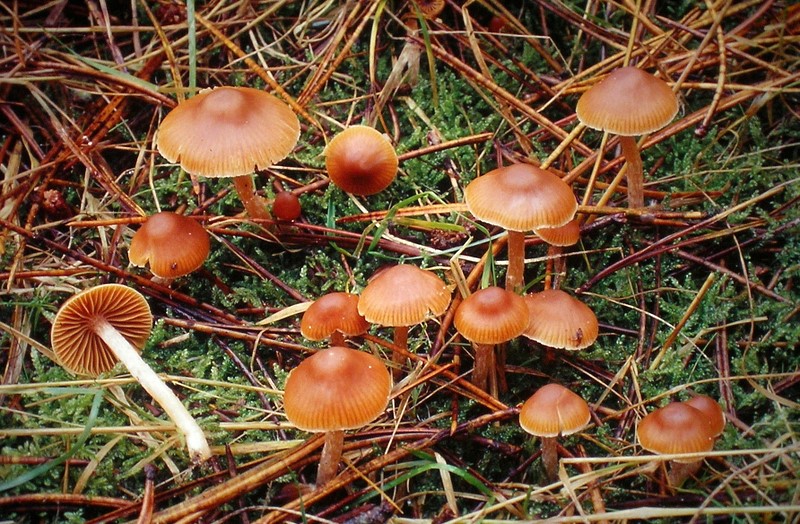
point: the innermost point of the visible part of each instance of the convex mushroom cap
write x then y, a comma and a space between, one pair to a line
561, 236
403, 295
331, 313
336, 389
553, 411
491, 316
676, 428
559, 320
174, 245
361, 161
228, 131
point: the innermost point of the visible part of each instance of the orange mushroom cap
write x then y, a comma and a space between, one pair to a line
403, 295
562, 236
361, 161
675, 428
228, 131
430, 9
174, 245
552, 411
286, 206
336, 389
628, 102
521, 197
333, 312
712, 411
77, 347
491, 316
559, 320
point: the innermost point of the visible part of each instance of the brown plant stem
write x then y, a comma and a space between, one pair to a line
253, 204
330, 457
484, 364
635, 174
678, 472
550, 458
398, 358
515, 278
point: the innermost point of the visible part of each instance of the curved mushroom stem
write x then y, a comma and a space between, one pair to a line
484, 364
253, 204
678, 472
630, 149
330, 458
515, 279
550, 458
399, 359
196, 441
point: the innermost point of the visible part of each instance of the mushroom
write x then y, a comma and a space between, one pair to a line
712, 411
229, 132
559, 320
677, 428
333, 315
400, 297
174, 245
106, 323
334, 390
361, 161
551, 412
519, 198
487, 317
629, 102
557, 238
286, 206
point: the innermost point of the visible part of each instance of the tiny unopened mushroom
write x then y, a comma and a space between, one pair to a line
559, 320
361, 161
333, 315
173, 245
105, 324
230, 132
403, 296
675, 429
519, 198
286, 206
334, 390
490, 316
553, 411
629, 102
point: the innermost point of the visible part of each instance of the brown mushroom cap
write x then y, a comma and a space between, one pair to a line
559, 320
562, 236
336, 389
330, 313
76, 345
361, 161
491, 316
675, 428
628, 102
712, 411
552, 411
228, 131
430, 9
403, 295
286, 206
521, 197
173, 245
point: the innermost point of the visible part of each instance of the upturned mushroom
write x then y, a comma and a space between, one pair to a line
361, 161
230, 132
334, 390
519, 198
629, 102
173, 245
553, 411
105, 324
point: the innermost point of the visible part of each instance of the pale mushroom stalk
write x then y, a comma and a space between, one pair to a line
331, 456
253, 204
515, 279
635, 173
195, 439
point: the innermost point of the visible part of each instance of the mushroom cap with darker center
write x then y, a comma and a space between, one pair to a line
77, 347
491, 316
361, 161
403, 295
559, 320
336, 389
521, 197
228, 131
628, 102
553, 411
675, 428
174, 245
330, 313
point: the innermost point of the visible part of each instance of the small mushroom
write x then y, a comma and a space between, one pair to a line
557, 238
174, 245
361, 161
333, 315
519, 198
712, 411
230, 132
101, 325
551, 412
629, 102
487, 317
334, 390
286, 206
559, 320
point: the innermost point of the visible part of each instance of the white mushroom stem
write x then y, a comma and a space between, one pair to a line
253, 204
195, 439
635, 174
330, 458
515, 279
